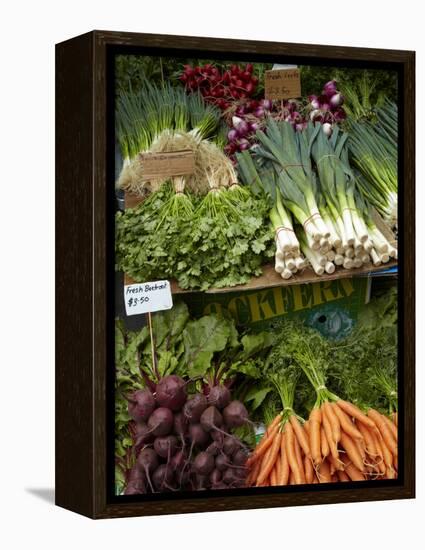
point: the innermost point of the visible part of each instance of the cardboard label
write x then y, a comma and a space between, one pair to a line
282, 84
147, 297
166, 165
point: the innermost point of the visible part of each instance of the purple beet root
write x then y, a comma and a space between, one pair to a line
219, 396
180, 424
198, 435
165, 446
171, 392
211, 419
161, 421
215, 477
194, 407
235, 414
178, 460
142, 435
162, 477
203, 464
141, 404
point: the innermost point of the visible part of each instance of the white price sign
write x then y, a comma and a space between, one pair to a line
147, 297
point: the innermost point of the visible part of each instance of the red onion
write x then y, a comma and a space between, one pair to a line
266, 104
336, 100
314, 102
232, 135
327, 129
330, 88
259, 112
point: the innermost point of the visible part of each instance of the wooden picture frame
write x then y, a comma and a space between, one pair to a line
85, 281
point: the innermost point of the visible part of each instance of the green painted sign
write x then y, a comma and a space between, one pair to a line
330, 306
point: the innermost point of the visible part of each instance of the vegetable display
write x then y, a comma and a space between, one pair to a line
224, 187
320, 215
329, 418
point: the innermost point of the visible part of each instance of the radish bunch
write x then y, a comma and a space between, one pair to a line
221, 88
185, 443
327, 107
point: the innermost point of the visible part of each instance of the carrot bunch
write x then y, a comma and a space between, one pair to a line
337, 443
347, 444
283, 455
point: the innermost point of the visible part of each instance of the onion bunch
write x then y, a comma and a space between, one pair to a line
246, 118
327, 107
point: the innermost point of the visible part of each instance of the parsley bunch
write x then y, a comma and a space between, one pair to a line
221, 244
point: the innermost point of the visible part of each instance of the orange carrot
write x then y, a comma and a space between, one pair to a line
298, 456
264, 444
329, 435
290, 451
334, 478
350, 448
368, 439
392, 427
267, 467
315, 421
273, 477
385, 431
336, 462
323, 472
308, 469
350, 469
324, 445
253, 474
386, 453
333, 421
380, 454
346, 424
391, 474
278, 463
291, 478
300, 435
342, 476
355, 412
284, 464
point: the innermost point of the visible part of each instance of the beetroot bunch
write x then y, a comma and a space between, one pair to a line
185, 443
221, 88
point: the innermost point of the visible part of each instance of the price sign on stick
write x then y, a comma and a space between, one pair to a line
147, 297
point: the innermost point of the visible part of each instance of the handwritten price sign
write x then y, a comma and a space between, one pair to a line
147, 297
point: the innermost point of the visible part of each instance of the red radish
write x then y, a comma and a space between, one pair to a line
171, 392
